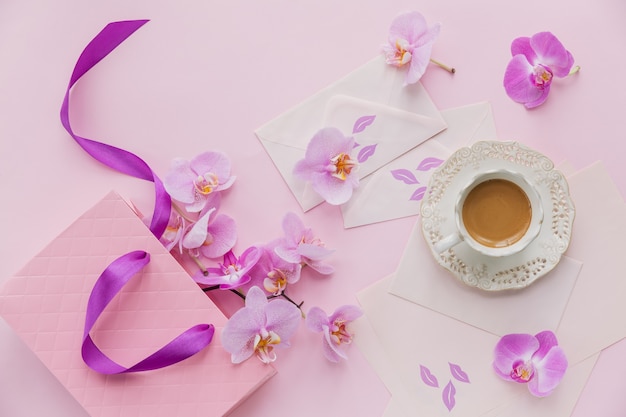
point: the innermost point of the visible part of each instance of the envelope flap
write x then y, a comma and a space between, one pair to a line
383, 131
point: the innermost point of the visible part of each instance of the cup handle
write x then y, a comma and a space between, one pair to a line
448, 242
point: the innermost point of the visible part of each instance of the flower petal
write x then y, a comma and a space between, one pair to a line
179, 181
548, 372
346, 313
332, 352
223, 231
196, 236
511, 348
547, 340
316, 319
409, 26
314, 252
239, 332
321, 267
293, 227
551, 52
283, 318
334, 190
517, 81
215, 162
522, 46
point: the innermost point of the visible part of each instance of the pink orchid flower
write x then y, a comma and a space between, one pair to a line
327, 164
536, 360
272, 272
536, 60
260, 327
336, 335
212, 235
173, 235
195, 183
233, 272
410, 43
300, 246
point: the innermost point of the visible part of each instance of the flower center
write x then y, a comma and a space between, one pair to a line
339, 334
542, 76
264, 345
522, 371
205, 184
275, 282
401, 54
343, 165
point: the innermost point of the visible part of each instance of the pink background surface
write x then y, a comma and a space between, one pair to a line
202, 75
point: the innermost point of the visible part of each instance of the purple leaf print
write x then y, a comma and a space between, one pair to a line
418, 194
405, 176
429, 163
448, 396
362, 122
428, 378
458, 373
366, 152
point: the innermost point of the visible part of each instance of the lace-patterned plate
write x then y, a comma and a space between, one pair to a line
510, 272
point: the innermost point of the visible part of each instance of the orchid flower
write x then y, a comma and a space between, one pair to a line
327, 164
410, 44
260, 327
212, 235
536, 360
273, 272
233, 272
174, 232
195, 183
336, 335
536, 60
300, 246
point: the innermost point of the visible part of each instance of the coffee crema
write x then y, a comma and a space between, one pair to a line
496, 213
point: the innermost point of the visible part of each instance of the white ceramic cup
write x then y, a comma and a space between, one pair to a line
461, 233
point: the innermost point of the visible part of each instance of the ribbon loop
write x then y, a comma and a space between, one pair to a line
110, 282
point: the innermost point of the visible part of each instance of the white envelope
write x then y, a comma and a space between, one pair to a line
375, 89
398, 338
384, 196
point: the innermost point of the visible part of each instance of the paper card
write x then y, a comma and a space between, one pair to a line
594, 317
285, 138
45, 305
420, 279
398, 336
396, 189
442, 366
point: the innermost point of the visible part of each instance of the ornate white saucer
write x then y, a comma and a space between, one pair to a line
498, 273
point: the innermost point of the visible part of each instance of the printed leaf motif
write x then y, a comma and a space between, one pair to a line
366, 152
429, 163
448, 394
405, 176
418, 194
363, 122
458, 373
428, 378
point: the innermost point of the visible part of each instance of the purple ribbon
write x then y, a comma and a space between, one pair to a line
120, 271
110, 282
123, 161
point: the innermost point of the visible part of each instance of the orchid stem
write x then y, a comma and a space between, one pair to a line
211, 288
239, 293
574, 70
286, 297
200, 265
451, 70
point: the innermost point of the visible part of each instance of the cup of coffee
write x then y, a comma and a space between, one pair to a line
497, 213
